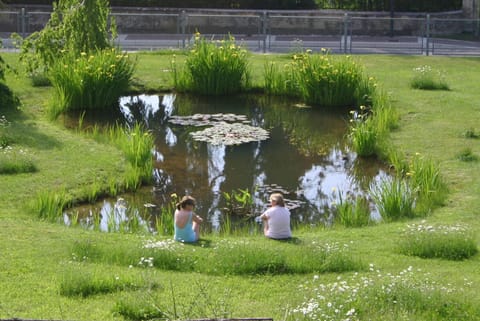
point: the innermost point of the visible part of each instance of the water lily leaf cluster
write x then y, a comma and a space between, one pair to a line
225, 129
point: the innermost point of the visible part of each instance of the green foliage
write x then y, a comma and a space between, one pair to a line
394, 199
426, 181
406, 295
364, 136
238, 202
49, 205
213, 68
425, 77
227, 257
136, 309
78, 282
352, 211
90, 81
320, 80
164, 223
467, 155
14, 160
74, 27
438, 241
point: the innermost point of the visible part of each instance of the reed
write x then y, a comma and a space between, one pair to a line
364, 137
352, 211
319, 80
394, 199
49, 205
90, 81
426, 180
213, 68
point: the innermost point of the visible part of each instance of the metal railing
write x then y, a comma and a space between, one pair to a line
276, 32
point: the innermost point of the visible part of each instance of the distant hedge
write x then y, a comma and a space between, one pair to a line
364, 5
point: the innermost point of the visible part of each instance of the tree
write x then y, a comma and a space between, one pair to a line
75, 27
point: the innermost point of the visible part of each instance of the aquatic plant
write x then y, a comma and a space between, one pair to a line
451, 242
164, 222
49, 205
428, 78
426, 181
394, 199
399, 296
213, 68
90, 82
319, 79
351, 211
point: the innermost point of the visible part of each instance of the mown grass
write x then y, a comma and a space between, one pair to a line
37, 254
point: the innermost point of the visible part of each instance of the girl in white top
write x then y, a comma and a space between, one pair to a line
276, 220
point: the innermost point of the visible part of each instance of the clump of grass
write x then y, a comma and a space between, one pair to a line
15, 161
77, 282
136, 309
425, 179
470, 133
399, 296
394, 199
364, 137
320, 80
467, 155
49, 205
352, 211
213, 68
164, 222
426, 77
90, 82
453, 242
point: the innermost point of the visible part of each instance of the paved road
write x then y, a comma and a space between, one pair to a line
288, 43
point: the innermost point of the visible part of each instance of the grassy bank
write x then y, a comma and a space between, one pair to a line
49, 271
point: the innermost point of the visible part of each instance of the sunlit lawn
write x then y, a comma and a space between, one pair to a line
35, 256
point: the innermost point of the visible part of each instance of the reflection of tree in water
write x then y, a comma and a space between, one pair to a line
216, 168
141, 108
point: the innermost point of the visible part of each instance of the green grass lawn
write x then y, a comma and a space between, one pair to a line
38, 258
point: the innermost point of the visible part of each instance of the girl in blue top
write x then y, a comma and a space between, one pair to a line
186, 223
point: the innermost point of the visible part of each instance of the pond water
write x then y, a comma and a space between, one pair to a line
306, 157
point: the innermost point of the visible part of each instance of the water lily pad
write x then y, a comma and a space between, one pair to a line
230, 134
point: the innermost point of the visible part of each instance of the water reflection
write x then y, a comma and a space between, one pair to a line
306, 155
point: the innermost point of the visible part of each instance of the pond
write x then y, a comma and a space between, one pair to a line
306, 157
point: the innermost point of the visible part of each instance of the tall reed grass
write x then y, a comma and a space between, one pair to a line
352, 211
49, 205
90, 81
394, 199
320, 80
213, 68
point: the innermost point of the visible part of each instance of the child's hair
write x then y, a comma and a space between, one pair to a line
186, 200
278, 198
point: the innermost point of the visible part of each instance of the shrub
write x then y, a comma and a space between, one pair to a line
440, 241
425, 77
91, 81
213, 68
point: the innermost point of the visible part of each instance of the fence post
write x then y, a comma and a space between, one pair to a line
183, 26
427, 35
345, 33
23, 23
264, 20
